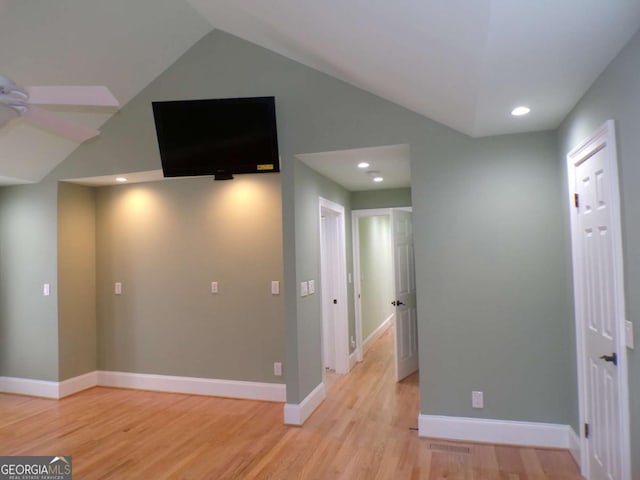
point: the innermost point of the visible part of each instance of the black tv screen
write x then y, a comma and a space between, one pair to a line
217, 137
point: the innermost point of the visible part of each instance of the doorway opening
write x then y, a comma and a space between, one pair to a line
385, 284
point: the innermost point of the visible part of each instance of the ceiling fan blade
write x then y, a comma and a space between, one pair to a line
90, 95
58, 125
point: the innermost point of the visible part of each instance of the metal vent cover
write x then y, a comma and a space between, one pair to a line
443, 447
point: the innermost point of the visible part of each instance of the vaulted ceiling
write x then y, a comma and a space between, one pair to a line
463, 63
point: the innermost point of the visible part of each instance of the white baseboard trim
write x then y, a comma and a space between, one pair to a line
574, 446
47, 389
297, 413
377, 332
497, 431
353, 359
273, 392
28, 386
77, 384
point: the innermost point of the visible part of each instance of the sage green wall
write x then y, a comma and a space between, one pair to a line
28, 260
614, 96
494, 296
388, 198
494, 301
166, 242
76, 280
376, 271
309, 185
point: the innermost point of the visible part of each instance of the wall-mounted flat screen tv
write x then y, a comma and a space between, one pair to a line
217, 136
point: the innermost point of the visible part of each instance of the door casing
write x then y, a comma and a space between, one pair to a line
604, 137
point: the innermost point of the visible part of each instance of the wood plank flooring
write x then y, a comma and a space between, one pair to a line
364, 430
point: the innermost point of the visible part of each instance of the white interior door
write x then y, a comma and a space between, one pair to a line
600, 308
406, 341
327, 293
598, 317
333, 273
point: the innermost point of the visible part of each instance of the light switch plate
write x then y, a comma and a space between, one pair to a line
117, 288
312, 287
214, 287
304, 289
275, 287
628, 334
477, 399
46, 289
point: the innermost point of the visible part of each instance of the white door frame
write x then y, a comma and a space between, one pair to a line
604, 136
337, 276
356, 215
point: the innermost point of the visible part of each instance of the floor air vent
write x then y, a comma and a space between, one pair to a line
441, 447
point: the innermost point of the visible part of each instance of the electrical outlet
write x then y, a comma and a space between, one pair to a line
117, 288
214, 287
277, 369
477, 399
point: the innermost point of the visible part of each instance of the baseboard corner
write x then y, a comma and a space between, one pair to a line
77, 384
353, 359
574, 445
271, 392
297, 413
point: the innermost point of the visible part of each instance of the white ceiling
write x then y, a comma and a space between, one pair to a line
391, 162
463, 63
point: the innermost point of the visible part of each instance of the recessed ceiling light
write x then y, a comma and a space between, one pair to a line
519, 111
121, 179
363, 165
378, 179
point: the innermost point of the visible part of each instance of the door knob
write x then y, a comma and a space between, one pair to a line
613, 358
397, 303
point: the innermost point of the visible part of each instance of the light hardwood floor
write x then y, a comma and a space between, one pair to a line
364, 430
